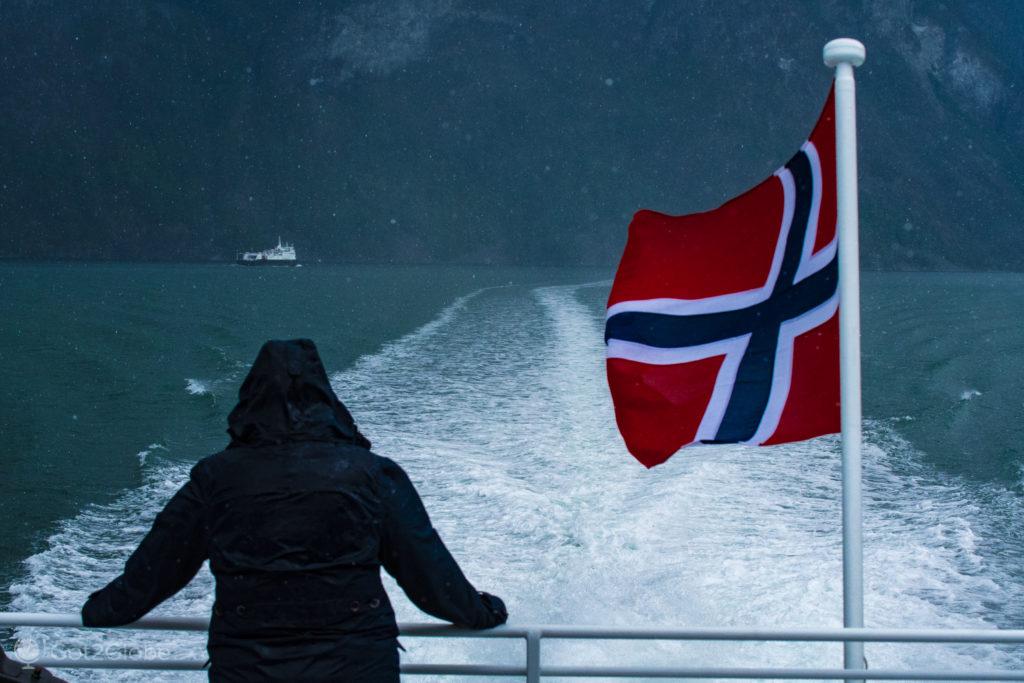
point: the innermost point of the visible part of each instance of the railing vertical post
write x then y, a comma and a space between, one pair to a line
533, 656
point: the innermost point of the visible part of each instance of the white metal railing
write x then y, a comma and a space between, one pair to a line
532, 669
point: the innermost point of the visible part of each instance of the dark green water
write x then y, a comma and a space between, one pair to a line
99, 361
943, 353
115, 378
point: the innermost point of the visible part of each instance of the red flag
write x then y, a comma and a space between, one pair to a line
722, 326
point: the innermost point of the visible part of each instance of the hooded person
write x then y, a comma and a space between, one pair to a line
296, 517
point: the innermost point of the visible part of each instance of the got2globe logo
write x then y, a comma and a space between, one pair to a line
27, 650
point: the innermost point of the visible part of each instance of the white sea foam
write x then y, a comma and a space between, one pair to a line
499, 411
197, 387
397, 349
968, 394
141, 455
86, 552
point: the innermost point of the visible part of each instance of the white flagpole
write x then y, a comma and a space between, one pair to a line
844, 54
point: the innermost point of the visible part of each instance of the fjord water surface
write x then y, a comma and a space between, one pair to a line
497, 407
108, 367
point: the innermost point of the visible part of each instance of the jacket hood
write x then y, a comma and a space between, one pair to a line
287, 397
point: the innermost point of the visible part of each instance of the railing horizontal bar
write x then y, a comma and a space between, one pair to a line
427, 630
796, 635
462, 670
791, 674
183, 623
449, 631
141, 664
198, 664
155, 623
585, 671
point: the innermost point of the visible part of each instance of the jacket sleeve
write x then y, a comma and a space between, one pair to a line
166, 560
413, 553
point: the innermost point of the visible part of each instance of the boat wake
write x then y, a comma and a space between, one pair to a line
498, 409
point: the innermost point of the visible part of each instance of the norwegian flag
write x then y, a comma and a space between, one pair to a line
722, 326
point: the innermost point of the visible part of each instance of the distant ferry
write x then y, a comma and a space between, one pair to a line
281, 255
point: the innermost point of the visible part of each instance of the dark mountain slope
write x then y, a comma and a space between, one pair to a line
519, 131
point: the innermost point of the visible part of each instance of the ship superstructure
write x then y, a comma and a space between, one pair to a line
281, 255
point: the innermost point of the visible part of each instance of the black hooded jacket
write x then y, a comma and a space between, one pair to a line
296, 517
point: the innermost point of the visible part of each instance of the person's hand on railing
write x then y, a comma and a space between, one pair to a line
496, 606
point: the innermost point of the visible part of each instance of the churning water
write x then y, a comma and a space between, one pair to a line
499, 411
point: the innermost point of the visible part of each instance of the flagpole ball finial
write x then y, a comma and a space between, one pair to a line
843, 50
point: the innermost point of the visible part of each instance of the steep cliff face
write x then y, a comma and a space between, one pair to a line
519, 131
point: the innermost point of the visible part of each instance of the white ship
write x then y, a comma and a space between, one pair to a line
281, 255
